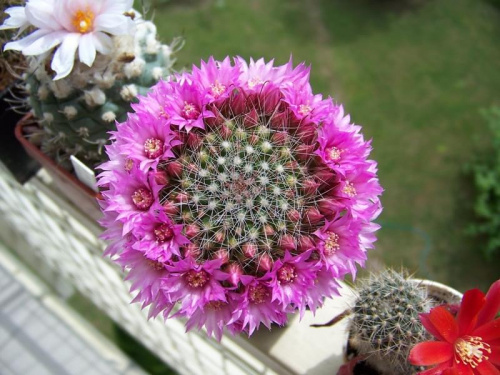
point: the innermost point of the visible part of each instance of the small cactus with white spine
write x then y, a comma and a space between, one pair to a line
385, 321
78, 111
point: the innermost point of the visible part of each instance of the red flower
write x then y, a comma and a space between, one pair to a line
468, 344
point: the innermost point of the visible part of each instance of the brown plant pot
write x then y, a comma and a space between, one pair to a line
84, 198
439, 293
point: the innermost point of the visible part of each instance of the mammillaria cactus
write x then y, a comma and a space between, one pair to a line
385, 321
119, 58
238, 195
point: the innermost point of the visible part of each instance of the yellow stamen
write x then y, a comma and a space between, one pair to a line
349, 189
305, 109
471, 350
331, 243
83, 20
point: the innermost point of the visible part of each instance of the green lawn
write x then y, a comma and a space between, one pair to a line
414, 73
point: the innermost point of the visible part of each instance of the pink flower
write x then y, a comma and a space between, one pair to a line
228, 178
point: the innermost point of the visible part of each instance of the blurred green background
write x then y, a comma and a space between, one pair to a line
414, 73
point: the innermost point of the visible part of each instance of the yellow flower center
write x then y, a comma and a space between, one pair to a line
334, 153
217, 89
471, 350
305, 109
331, 243
349, 189
83, 20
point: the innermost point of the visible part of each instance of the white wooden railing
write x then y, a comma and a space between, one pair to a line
61, 238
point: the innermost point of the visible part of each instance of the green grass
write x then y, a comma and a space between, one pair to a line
414, 73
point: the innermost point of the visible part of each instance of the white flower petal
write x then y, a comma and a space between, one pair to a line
86, 49
117, 6
40, 13
64, 58
44, 43
19, 45
16, 20
115, 24
64, 14
102, 42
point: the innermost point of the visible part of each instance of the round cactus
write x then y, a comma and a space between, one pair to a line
385, 321
78, 111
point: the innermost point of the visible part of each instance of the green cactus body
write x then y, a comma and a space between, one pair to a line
77, 112
385, 323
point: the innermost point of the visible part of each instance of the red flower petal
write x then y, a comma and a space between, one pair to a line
430, 353
472, 303
486, 368
426, 322
463, 369
442, 369
492, 305
444, 322
489, 331
494, 356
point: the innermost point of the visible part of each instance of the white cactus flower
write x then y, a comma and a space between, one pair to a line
69, 25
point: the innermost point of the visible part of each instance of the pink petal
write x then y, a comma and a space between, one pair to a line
430, 353
472, 303
492, 305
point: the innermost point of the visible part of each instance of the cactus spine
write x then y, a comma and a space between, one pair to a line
385, 324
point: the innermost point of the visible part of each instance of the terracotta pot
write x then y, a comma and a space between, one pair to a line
84, 198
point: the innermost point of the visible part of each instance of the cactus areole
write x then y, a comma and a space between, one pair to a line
263, 192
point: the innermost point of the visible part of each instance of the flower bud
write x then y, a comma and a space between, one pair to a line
192, 230
305, 243
310, 186
253, 139
174, 169
221, 254
329, 206
293, 215
287, 242
264, 262
279, 121
269, 230
161, 177
219, 236
234, 270
170, 208
191, 250
251, 119
194, 140
325, 176
181, 198
312, 216
271, 100
307, 133
304, 152
279, 138
225, 132
249, 250
238, 103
